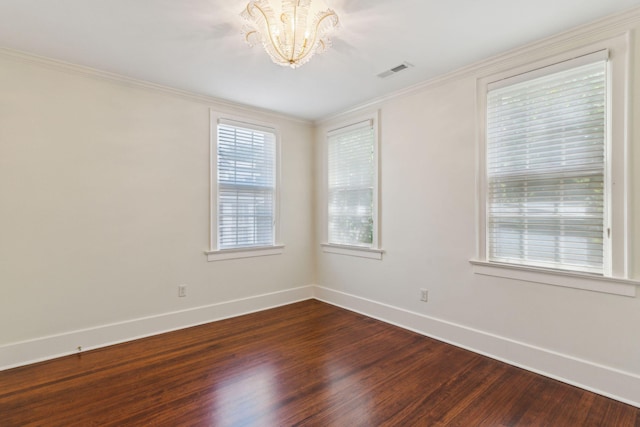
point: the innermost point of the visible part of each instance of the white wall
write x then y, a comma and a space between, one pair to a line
104, 205
428, 229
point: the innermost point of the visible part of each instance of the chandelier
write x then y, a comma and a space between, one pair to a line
292, 39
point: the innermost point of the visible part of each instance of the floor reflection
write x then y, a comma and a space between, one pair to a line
247, 398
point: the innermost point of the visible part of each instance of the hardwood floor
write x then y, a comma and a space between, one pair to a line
308, 364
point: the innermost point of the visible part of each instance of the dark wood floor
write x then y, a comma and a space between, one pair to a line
306, 364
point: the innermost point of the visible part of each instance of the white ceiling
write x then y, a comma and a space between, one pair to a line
196, 45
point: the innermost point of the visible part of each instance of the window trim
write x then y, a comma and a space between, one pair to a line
250, 252
565, 279
617, 172
357, 251
215, 253
375, 251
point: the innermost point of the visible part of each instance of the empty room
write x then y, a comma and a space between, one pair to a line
319, 213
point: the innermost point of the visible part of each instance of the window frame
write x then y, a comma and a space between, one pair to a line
215, 253
617, 171
374, 251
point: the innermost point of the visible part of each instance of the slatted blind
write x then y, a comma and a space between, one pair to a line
351, 177
246, 185
546, 170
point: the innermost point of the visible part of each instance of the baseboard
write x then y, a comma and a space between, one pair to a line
604, 380
50, 347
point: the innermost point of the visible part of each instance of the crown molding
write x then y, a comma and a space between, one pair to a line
142, 84
602, 29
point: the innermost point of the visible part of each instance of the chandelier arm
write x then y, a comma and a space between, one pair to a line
295, 25
266, 20
315, 35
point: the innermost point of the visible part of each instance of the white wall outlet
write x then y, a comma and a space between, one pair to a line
182, 291
424, 295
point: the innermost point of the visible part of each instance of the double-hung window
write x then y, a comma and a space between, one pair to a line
352, 189
244, 188
546, 183
553, 171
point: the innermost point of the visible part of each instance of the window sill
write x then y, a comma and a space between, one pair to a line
238, 253
356, 251
609, 285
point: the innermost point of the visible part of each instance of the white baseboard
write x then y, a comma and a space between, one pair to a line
604, 380
40, 349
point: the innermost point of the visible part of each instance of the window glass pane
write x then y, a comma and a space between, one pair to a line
351, 174
546, 170
246, 187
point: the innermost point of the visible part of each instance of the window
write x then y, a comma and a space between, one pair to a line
352, 189
245, 195
552, 197
546, 189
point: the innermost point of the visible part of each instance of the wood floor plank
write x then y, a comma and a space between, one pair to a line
306, 364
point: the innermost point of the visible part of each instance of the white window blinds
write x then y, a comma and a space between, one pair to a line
351, 174
246, 185
546, 201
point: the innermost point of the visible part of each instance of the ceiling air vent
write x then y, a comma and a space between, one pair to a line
394, 70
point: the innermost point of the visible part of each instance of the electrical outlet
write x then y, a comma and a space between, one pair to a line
424, 295
182, 291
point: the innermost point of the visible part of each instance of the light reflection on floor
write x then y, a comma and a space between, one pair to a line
247, 398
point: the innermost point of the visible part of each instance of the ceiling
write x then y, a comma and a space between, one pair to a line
196, 45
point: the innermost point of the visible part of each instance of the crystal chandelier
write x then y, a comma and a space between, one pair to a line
292, 39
